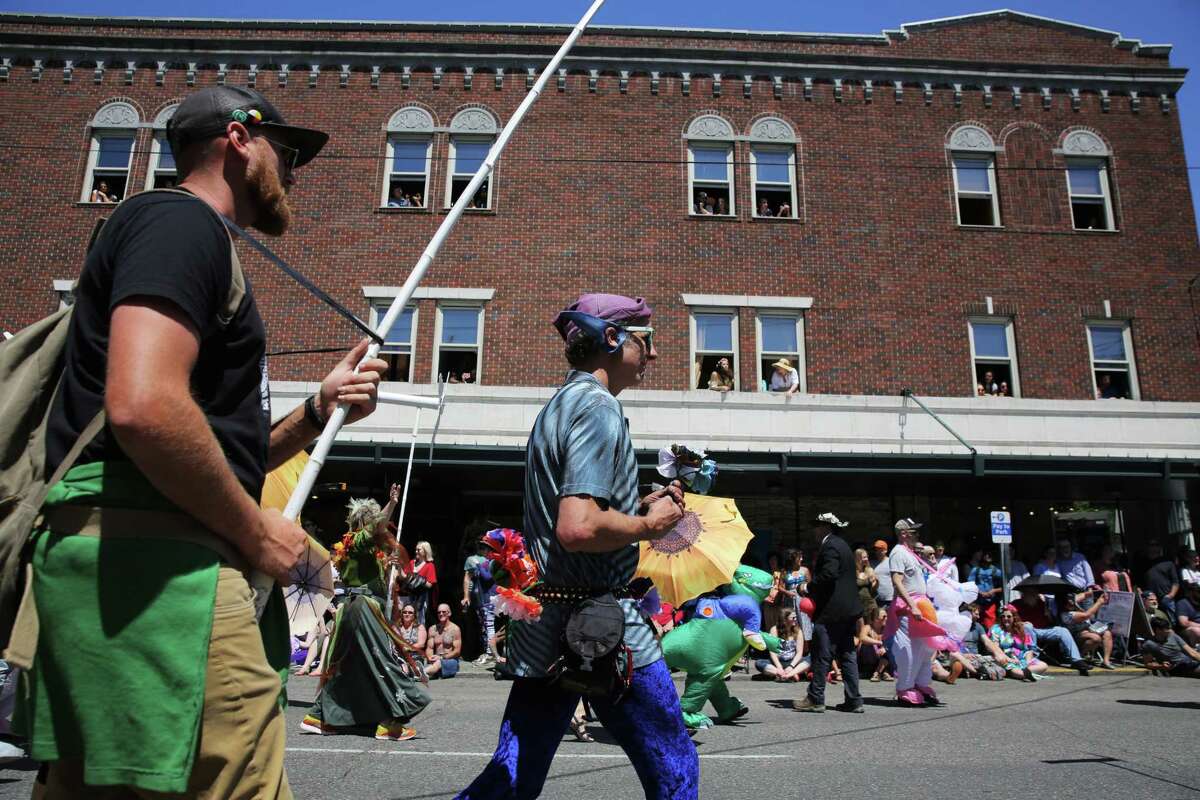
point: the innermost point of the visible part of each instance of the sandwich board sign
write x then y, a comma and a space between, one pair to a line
1001, 527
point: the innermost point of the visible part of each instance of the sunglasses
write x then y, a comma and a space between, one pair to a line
645, 334
290, 155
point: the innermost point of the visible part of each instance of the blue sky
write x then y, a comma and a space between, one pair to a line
1175, 22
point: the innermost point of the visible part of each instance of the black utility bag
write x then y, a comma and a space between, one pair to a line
595, 660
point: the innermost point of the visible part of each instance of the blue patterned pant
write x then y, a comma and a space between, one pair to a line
647, 724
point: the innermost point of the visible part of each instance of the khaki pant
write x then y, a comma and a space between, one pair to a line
241, 747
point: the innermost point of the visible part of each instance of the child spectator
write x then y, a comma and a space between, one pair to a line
1169, 653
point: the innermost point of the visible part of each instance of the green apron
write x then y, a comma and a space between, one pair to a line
118, 679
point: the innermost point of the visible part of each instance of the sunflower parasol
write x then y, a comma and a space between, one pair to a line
311, 586
700, 553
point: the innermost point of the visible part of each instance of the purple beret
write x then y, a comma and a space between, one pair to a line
611, 307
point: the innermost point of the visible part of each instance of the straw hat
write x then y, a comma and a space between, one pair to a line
784, 363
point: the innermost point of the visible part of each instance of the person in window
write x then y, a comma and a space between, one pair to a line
702, 203
1107, 390
415, 200
784, 377
468, 377
764, 208
101, 194
990, 385
721, 378
398, 198
722, 209
980, 391
785, 210
1004, 390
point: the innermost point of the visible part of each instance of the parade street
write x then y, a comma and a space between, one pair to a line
1124, 735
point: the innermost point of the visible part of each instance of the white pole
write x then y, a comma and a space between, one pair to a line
412, 448
262, 583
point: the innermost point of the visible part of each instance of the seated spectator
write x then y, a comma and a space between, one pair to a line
1032, 608
1153, 610
784, 377
764, 208
721, 378
1050, 638
101, 194
989, 383
980, 655
1018, 646
702, 203
990, 580
398, 199
412, 631
1090, 633
443, 647
872, 652
1189, 568
789, 664
315, 642
1169, 653
1187, 615
1162, 576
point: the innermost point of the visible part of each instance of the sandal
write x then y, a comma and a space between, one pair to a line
579, 728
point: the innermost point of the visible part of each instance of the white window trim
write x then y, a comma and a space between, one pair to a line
437, 340
695, 186
759, 353
451, 162
791, 154
1130, 361
377, 313
94, 156
993, 195
64, 289
156, 142
1010, 362
693, 351
1105, 188
430, 293
389, 174
749, 300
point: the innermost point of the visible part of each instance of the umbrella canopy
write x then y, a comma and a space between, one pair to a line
700, 553
311, 587
1046, 583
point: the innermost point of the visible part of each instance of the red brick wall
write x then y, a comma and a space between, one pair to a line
877, 247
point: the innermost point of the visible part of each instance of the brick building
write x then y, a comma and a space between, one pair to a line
996, 193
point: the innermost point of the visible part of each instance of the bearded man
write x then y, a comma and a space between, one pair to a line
151, 674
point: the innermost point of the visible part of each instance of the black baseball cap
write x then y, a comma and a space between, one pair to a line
205, 114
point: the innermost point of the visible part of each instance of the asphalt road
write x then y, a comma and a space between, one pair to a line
1125, 735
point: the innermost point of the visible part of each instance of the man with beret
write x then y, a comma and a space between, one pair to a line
583, 520
151, 674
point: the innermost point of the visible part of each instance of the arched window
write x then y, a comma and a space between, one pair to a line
1088, 183
472, 132
710, 166
114, 130
773, 168
973, 155
409, 142
160, 172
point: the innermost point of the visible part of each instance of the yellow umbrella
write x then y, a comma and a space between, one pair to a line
311, 587
700, 553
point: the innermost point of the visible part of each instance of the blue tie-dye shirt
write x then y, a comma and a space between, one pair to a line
579, 445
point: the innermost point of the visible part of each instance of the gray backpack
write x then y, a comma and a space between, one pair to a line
31, 367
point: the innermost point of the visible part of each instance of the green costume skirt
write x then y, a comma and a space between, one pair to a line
118, 679
367, 683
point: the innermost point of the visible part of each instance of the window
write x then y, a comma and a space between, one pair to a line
710, 167
397, 347
713, 336
975, 188
773, 181
1114, 375
1088, 184
1087, 181
406, 177
780, 352
472, 132
114, 129
459, 333
993, 358
161, 172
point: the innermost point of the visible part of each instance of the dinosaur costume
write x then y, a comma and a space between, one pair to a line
709, 643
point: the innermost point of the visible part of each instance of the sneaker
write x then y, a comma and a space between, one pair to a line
483, 660
311, 724
393, 731
850, 708
807, 704
910, 698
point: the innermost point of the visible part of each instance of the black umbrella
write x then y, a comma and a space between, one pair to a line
1046, 583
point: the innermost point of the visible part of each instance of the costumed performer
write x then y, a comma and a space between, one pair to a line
371, 677
911, 622
583, 520
708, 644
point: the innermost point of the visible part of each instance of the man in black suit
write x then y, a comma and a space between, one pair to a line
836, 609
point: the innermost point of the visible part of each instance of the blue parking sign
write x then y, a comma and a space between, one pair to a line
1001, 527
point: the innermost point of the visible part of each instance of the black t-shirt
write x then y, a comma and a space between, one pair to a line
175, 248
1161, 576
